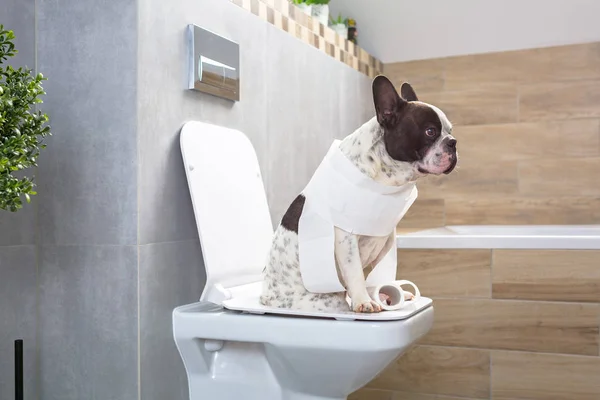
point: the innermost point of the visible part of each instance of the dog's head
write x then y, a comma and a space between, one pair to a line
414, 132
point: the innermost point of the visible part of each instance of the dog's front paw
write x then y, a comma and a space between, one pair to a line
367, 306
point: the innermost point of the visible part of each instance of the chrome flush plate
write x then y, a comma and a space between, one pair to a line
213, 63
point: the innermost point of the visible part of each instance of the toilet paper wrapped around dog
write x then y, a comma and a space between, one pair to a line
339, 194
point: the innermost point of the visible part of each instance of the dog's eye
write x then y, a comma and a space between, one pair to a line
430, 132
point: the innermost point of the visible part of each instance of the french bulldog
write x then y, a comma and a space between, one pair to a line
407, 139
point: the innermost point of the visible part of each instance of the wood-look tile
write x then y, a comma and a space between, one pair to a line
447, 273
559, 100
424, 76
471, 179
516, 325
371, 394
531, 376
559, 275
572, 62
447, 371
523, 141
523, 210
491, 105
420, 396
560, 177
424, 213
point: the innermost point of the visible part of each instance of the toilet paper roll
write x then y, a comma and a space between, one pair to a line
393, 290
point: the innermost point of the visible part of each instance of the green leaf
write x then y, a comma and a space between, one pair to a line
22, 126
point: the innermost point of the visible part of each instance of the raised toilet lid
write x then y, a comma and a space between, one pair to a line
234, 224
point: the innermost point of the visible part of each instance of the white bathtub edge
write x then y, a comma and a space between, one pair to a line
509, 237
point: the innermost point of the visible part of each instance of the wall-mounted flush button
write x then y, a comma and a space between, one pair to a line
213, 64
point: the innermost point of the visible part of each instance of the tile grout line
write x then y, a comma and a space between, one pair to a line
492, 350
492, 257
491, 376
138, 196
508, 300
38, 247
518, 102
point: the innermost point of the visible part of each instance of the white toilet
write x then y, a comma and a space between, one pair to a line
264, 354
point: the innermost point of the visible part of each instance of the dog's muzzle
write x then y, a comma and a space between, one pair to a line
452, 166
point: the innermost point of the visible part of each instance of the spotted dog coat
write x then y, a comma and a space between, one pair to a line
406, 140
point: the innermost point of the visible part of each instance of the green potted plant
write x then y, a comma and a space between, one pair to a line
320, 11
340, 26
304, 5
21, 127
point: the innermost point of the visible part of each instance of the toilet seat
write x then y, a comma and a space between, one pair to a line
246, 299
218, 323
252, 305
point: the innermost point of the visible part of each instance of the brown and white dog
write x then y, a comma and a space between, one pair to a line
406, 140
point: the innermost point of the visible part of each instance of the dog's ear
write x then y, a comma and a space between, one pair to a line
408, 93
387, 101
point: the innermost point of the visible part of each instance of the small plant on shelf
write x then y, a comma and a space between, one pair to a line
340, 26
304, 5
21, 127
320, 10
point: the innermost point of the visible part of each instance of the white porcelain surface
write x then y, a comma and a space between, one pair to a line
271, 357
229, 201
575, 237
246, 298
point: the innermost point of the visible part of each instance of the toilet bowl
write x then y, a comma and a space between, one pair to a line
234, 348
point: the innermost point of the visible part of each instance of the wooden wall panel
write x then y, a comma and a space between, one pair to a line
497, 104
522, 210
371, 394
544, 376
565, 63
419, 396
424, 213
447, 273
560, 177
516, 325
472, 180
427, 76
559, 100
554, 275
528, 130
539, 140
447, 371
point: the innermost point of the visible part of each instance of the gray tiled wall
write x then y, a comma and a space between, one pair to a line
18, 295
18, 282
116, 231
294, 101
88, 200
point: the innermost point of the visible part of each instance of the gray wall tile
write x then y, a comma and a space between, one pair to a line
171, 274
289, 72
87, 177
18, 291
165, 105
356, 106
290, 108
88, 322
19, 16
311, 100
19, 228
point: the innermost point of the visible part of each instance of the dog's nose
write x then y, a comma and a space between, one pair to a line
451, 143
